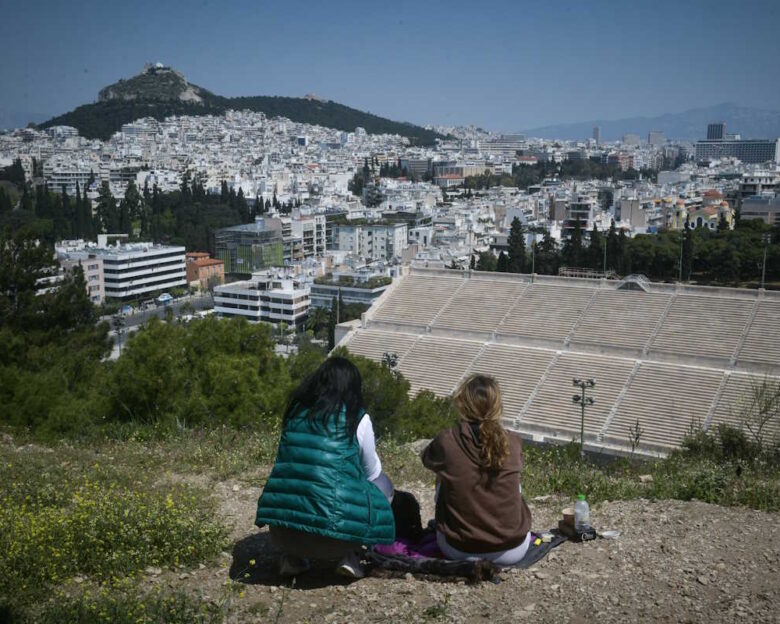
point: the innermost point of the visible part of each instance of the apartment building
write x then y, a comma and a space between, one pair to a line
269, 296
125, 270
137, 269
372, 241
91, 264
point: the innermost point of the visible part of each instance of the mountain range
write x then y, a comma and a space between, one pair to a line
690, 125
160, 92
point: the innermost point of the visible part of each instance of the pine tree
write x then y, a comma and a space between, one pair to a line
595, 250
107, 211
572, 248
242, 207
502, 266
473, 262
516, 243
612, 247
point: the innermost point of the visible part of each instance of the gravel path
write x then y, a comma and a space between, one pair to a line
674, 562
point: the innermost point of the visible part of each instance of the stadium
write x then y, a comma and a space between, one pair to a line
671, 357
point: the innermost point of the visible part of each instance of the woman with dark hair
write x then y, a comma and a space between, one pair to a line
327, 495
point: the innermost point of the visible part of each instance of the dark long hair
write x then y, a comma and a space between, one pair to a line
336, 384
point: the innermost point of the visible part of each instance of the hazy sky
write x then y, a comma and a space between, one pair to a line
502, 65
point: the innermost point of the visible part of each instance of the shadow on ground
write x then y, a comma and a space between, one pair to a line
256, 562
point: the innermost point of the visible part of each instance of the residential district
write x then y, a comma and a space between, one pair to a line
337, 212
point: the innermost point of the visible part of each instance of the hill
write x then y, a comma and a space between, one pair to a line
160, 92
690, 125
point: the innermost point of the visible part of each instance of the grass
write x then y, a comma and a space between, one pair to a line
125, 606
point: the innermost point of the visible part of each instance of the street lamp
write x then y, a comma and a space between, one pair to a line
583, 402
119, 323
766, 239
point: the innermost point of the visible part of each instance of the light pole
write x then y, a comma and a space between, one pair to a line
682, 245
583, 401
765, 238
119, 323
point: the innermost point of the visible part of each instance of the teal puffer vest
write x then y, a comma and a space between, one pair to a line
318, 485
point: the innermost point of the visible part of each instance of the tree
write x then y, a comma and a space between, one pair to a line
473, 262
612, 247
502, 265
516, 243
547, 260
572, 247
487, 261
107, 211
243, 207
595, 250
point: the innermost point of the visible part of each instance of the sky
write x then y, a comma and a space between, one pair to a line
503, 65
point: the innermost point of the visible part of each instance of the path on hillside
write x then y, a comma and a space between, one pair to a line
674, 562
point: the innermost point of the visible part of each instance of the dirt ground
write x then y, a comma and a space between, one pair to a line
673, 562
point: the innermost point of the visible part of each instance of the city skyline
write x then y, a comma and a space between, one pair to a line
506, 67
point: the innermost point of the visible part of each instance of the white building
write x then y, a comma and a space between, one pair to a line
268, 296
125, 270
372, 241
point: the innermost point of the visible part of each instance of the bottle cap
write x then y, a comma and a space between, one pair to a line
580, 496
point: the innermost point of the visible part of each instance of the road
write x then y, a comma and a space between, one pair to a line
140, 317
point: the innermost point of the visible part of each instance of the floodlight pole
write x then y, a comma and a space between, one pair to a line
765, 238
584, 401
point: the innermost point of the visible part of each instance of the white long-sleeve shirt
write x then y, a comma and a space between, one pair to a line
369, 459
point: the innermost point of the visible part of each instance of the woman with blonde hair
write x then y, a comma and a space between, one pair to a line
480, 511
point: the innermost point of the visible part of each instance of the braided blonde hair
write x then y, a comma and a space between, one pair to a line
479, 401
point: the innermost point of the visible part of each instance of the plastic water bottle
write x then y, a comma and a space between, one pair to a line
581, 513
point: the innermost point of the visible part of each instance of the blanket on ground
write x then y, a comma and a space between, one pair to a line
424, 557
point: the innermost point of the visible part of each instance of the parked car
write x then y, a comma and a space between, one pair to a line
126, 310
164, 298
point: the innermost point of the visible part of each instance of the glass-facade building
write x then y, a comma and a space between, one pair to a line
250, 247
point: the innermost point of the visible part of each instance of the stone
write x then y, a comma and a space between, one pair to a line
153, 571
703, 580
645, 478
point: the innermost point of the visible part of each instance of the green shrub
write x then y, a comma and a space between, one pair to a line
426, 416
101, 529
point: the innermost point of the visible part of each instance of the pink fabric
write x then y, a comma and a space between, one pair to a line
425, 547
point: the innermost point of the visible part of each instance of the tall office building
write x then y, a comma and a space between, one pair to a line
656, 137
597, 134
715, 131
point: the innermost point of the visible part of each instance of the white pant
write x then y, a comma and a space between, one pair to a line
500, 558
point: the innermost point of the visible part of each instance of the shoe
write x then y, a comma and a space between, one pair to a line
349, 567
293, 566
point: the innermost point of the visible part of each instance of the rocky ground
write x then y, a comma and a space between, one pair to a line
673, 562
